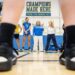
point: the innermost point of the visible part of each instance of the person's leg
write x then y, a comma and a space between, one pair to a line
10, 18
40, 43
29, 39
68, 16
54, 42
35, 47
12, 10
20, 40
15, 37
23, 41
18, 43
48, 42
69, 22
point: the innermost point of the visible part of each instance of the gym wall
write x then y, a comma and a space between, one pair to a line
55, 16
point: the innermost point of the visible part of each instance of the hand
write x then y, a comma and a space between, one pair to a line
25, 32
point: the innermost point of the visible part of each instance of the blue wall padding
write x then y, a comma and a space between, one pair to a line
59, 40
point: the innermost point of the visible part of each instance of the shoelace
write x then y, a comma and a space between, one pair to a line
16, 51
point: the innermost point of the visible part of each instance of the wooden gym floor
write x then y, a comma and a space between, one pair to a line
38, 64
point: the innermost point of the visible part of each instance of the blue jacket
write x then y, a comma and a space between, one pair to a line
38, 30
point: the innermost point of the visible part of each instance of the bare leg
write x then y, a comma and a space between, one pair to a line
23, 42
12, 10
68, 13
11, 13
18, 43
29, 37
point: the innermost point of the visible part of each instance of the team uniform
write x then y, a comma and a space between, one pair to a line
26, 27
17, 31
38, 38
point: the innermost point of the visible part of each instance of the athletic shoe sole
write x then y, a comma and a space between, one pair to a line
5, 66
69, 64
62, 61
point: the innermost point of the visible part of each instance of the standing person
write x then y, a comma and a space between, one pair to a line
51, 36
26, 28
11, 13
16, 35
38, 38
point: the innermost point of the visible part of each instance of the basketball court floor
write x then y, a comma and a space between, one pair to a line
34, 63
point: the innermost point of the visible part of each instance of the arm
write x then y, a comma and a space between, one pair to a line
20, 28
33, 30
23, 29
29, 28
42, 28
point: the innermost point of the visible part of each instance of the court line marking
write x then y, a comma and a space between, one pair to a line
23, 55
38, 60
35, 60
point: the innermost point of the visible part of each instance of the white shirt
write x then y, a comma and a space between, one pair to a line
50, 30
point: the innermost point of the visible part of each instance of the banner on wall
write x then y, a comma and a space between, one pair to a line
38, 8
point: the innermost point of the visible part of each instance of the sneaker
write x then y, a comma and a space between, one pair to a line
29, 48
20, 50
62, 59
7, 58
70, 59
69, 48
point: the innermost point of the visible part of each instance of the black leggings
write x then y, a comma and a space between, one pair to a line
49, 38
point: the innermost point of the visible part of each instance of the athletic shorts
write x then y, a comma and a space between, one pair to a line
26, 34
16, 36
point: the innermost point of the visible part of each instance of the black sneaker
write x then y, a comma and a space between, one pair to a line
62, 59
69, 48
70, 59
7, 58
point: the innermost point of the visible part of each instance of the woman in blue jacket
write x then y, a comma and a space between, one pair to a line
38, 38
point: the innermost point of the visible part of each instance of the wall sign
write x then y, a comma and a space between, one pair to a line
38, 8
